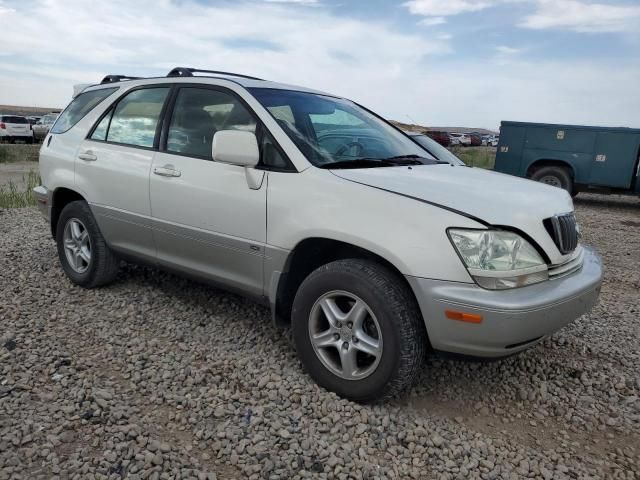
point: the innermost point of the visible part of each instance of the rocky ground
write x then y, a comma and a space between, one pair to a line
158, 377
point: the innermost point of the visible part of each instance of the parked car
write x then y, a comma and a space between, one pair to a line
475, 140
460, 139
374, 248
435, 148
41, 129
490, 140
573, 157
439, 136
14, 128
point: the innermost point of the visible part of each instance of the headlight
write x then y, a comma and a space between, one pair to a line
498, 259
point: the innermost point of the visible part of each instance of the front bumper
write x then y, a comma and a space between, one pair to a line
43, 200
512, 320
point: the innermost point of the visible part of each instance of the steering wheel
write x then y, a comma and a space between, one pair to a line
343, 149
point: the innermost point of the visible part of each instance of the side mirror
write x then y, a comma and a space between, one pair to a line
236, 147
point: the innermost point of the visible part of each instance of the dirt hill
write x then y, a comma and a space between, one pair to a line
421, 128
27, 111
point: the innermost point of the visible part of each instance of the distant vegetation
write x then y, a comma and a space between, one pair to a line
482, 157
16, 195
18, 153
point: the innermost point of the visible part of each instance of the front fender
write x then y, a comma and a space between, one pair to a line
409, 234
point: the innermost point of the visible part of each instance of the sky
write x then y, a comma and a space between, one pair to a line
466, 63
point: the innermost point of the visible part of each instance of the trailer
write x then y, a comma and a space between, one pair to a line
574, 157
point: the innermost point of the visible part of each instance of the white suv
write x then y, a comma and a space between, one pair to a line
15, 128
375, 249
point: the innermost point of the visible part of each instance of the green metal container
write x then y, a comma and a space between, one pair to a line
574, 157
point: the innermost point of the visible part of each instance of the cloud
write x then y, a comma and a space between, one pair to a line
432, 21
148, 37
580, 16
5, 10
393, 70
440, 8
295, 2
505, 50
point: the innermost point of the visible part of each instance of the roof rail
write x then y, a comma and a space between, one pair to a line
188, 72
117, 78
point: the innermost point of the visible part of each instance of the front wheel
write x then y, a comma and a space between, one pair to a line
358, 330
83, 252
554, 176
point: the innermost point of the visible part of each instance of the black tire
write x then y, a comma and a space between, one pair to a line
103, 265
404, 339
555, 176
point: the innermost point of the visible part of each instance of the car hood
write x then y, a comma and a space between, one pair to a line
491, 197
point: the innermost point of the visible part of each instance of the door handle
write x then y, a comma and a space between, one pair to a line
88, 156
167, 171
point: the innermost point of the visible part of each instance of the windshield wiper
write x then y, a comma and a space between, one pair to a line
397, 161
358, 163
419, 160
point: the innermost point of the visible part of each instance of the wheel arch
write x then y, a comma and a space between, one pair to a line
61, 197
310, 254
545, 162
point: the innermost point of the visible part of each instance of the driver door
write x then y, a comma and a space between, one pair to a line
207, 221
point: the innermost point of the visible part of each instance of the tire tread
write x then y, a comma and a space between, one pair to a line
408, 320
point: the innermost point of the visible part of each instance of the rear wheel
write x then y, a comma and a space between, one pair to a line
83, 252
358, 330
559, 177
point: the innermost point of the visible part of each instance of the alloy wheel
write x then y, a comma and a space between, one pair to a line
77, 245
345, 335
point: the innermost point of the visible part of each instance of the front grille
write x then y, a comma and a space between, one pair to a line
564, 231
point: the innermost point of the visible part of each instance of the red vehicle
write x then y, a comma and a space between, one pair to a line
439, 136
476, 140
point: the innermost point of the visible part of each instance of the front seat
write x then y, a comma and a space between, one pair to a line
201, 131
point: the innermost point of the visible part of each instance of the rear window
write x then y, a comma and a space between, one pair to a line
79, 107
14, 119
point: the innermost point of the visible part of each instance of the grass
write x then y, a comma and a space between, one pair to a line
18, 153
17, 195
482, 157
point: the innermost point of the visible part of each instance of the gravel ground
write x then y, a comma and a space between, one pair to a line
159, 377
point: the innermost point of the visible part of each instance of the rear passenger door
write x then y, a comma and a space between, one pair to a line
113, 165
207, 221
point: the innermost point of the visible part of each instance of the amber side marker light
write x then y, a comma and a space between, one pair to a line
463, 317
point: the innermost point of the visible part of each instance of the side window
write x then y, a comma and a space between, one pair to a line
136, 117
79, 107
198, 114
100, 132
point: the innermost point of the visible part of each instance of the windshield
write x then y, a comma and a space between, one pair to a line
437, 150
48, 119
331, 131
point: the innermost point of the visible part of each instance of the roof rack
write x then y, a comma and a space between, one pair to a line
117, 78
188, 72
